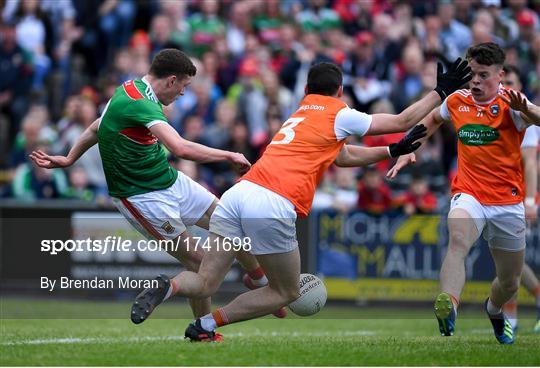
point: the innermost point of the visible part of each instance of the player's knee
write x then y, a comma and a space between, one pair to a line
209, 288
458, 243
510, 284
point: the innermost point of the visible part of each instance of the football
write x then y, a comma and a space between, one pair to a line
312, 296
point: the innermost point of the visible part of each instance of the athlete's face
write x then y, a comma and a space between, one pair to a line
485, 80
511, 80
175, 88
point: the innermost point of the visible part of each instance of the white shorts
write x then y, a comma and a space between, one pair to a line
252, 211
165, 214
502, 226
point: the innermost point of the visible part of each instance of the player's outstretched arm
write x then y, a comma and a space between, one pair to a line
517, 101
354, 156
183, 148
87, 139
457, 75
432, 122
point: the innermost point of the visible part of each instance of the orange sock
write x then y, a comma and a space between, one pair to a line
174, 285
455, 301
536, 292
510, 309
220, 317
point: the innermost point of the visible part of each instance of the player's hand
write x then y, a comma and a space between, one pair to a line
400, 164
515, 100
240, 163
45, 161
408, 143
457, 75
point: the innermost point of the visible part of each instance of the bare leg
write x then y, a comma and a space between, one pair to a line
463, 234
214, 266
246, 260
283, 272
529, 280
508, 266
191, 259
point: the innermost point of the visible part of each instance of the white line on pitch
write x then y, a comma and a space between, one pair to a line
95, 340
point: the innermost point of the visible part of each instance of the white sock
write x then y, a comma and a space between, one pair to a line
169, 293
492, 309
263, 281
513, 322
208, 322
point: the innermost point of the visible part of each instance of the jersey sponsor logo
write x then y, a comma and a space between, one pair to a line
477, 134
139, 135
132, 91
463, 108
495, 109
311, 107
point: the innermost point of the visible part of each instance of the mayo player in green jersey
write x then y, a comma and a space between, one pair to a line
155, 198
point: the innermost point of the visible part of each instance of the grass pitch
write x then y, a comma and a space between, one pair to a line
338, 336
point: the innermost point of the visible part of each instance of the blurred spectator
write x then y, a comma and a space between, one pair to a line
15, 79
409, 83
84, 115
218, 134
115, 24
267, 21
365, 74
79, 186
205, 26
161, 29
32, 182
527, 21
374, 196
382, 107
31, 36
294, 72
316, 17
193, 128
34, 131
203, 100
238, 27
454, 33
345, 197
418, 198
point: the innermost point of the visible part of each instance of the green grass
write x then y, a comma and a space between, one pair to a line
338, 336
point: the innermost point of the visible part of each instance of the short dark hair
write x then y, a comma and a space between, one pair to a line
487, 53
324, 79
509, 69
172, 62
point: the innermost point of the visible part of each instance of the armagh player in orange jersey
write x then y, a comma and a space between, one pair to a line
260, 211
488, 191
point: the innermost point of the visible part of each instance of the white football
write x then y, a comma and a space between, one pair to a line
312, 296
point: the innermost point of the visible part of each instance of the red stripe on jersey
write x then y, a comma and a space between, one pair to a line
140, 218
141, 135
132, 91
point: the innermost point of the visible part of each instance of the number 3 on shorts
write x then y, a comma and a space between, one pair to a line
288, 130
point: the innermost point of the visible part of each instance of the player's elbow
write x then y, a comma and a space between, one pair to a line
340, 162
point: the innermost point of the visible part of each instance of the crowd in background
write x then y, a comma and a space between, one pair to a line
61, 61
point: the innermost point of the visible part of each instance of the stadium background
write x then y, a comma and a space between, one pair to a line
60, 62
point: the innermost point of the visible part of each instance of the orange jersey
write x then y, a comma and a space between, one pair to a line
308, 142
489, 156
